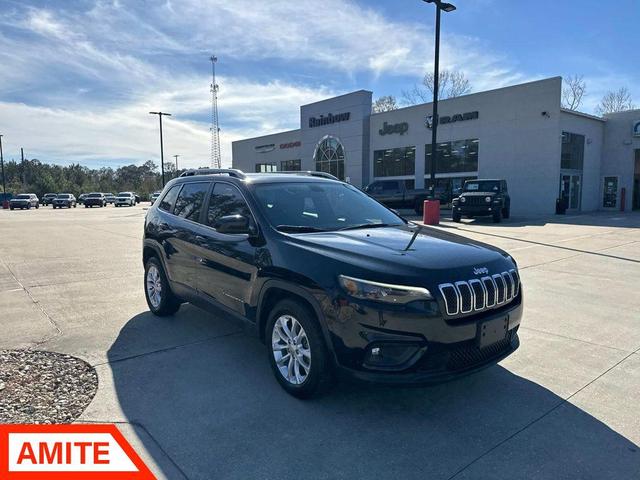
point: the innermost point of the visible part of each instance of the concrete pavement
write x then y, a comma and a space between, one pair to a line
197, 399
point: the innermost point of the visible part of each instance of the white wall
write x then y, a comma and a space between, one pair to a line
517, 142
245, 156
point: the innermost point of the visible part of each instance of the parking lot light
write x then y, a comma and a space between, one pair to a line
160, 114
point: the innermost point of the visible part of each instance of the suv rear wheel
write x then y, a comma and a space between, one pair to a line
297, 351
160, 298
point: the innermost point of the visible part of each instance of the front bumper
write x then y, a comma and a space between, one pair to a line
423, 346
476, 209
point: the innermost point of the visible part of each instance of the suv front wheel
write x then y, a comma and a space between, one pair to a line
297, 352
160, 299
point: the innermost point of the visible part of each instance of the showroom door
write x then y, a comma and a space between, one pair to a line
570, 190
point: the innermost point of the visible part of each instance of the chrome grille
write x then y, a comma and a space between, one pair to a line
480, 294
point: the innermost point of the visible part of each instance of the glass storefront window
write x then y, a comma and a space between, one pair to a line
454, 157
266, 167
329, 157
290, 165
394, 162
572, 151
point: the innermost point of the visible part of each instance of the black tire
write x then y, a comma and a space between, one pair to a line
456, 217
506, 211
169, 303
497, 216
86, 206
10, 208
320, 374
37, 206
75, 205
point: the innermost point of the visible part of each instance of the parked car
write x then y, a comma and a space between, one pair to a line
95, 199
481, 198
48, 198
24, 200
395, 194
154, 197
81, 198
330, 279
110, 198
64, 200
125, 198
137, 197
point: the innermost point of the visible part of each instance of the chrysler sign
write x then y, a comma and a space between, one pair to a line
458, 117
329, 119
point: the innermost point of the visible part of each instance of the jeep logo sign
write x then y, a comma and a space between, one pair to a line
458, 117
400, 128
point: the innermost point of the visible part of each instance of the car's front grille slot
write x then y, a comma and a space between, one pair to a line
476, 295
475, 201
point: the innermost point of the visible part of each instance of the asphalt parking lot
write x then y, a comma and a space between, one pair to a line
196, 397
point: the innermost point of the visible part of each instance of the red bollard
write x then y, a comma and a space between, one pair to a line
5, 204
431, 212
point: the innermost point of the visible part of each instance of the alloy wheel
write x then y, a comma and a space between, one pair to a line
154, 286
291, 350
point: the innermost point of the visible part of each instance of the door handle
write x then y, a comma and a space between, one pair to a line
200, 239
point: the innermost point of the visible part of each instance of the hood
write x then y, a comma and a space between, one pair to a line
384, 252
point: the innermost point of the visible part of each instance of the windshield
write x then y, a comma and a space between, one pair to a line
94, 195
482, 186
64, 195
124, 194
23, 196
320, 206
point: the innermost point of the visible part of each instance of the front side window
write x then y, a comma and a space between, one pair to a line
394, 162
169, 199
329, 157
190, 200
226, 200
320, 206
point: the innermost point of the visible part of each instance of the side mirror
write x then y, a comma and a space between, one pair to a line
234, 225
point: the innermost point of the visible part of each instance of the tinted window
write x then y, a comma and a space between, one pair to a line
169, 199
390, 186
321, 205
190, 200
226, 200
394, 161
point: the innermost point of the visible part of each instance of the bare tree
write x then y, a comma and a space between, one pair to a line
451, 84
572, 92
385, 104
615, 101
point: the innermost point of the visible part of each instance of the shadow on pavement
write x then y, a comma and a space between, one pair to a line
215, 409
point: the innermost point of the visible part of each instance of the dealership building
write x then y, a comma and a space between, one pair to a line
519, 133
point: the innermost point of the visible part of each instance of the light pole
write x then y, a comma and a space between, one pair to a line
447, 7
176, 157
4, 185
160, 114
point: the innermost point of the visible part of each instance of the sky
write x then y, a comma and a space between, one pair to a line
78, 78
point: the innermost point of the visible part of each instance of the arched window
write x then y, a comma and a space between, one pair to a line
329, 156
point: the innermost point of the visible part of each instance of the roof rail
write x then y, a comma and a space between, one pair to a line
232, 172
310, 173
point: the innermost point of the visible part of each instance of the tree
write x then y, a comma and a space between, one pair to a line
572, 92
385, 104
451, 84
615, 101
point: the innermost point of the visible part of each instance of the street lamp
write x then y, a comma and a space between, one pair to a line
160, 114
447, 7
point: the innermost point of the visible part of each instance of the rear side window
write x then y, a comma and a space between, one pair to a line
226, 200
169, 199
190, 200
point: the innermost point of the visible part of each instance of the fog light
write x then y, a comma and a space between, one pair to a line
392, 356
376, 351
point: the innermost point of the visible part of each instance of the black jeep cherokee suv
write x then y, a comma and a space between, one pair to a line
482, 198
331, 280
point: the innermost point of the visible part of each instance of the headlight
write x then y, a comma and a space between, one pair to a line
462, 199
487, 199
382, 292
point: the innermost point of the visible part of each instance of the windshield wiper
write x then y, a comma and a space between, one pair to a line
300, 228
369, 225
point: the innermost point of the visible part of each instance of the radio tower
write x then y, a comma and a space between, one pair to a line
216, 161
